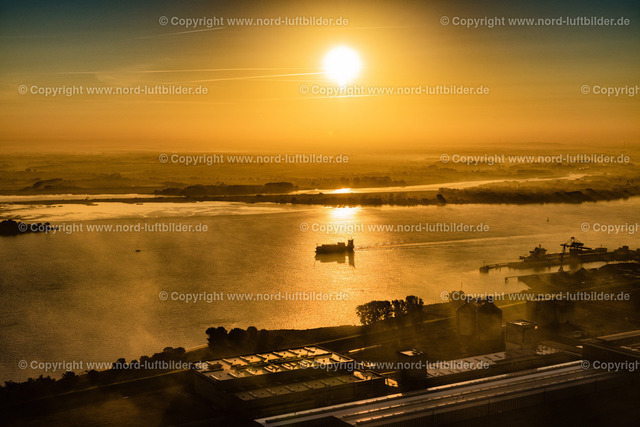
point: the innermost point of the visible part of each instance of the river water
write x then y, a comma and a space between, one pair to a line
97, 295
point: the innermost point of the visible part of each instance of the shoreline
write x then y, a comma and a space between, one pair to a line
427, 198
438, 340
614, 278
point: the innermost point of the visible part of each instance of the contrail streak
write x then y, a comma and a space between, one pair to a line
203, 70
252, 77
181, 32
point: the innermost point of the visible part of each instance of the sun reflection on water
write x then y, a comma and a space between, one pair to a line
344, 213
342, 191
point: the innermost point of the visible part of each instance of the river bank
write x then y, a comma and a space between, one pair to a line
167, 393
426, 198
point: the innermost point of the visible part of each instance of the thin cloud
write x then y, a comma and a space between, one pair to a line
181, 32
200, 70
224, 79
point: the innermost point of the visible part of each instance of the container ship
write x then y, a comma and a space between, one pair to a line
337, 248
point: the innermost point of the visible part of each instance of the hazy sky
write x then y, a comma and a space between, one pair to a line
255, 75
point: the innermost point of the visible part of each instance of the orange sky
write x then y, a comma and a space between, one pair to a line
254, 74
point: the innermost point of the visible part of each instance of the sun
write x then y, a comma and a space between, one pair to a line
342, 64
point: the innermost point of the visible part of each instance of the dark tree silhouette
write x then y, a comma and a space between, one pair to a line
237, 335
217, 336
374, 311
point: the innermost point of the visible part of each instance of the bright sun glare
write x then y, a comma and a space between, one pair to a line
341, 191
344, 213
342, 64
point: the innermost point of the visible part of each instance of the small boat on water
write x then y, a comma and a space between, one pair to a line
336, 248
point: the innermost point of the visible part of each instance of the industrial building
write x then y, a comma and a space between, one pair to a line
480, 324
550, 311
461, 401
284, 381
623, 348
521, 334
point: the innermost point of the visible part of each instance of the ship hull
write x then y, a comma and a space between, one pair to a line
344, 250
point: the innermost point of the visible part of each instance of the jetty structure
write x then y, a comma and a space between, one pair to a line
573, 253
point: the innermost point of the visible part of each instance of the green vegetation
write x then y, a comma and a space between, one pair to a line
376, 311
70, 381
247, 341
222, 189
140, 172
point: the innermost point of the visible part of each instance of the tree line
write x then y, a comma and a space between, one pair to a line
376, 311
